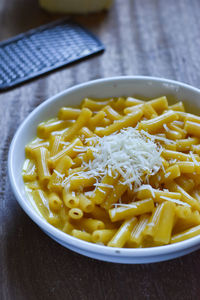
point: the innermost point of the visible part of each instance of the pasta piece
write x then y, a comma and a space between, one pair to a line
149, 111
179, 106
187, 234
91, 225
29, 171
85, 204
156, 124
122, 235
127, 121
82, 235
192, 128
75, 213
156, 228
68, 113
187, 144
133, 209
96, 120
95, 105
81, 121
185, 218
137, 233
115, 195
103, 236
70, 199
44, 129
29, 149
55, 203
79, 182
130, 101
41, 156
112, 114
159, 104
70, 151
55, 144
185, 197
104, 189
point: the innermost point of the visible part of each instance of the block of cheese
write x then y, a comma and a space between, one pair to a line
75, 6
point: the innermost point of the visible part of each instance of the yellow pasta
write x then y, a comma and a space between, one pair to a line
41, 156
119, 172
129, 120
123, 233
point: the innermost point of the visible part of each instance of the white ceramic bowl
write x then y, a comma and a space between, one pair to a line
109, 87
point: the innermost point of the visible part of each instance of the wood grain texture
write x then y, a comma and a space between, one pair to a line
157, 38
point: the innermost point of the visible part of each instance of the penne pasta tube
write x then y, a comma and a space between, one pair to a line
131, 109
115, 195
41, 156
85, 204
192, 128
70, 151
133, 209
119, 104
90, 225
127, 121
81, 121
187, 234
185, 218
55, 203
179, 106
186, 166
82, 235
29, 171
29, 149
80, 182
96, 105
55, 144
86, 133
75, 213
137, 233
68, 227
159, 104
192, 118
149, 111
147, 191
185, 197
196, 148
103, 235
123, 233
112, 114
105, 188
44, 129
70, 199
187, 144
163, 233
156, 124
68, 113
186, 183
169, 154
173, 134
130, 101
172, 172
96, 120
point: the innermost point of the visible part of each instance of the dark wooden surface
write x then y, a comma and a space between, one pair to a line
146, 37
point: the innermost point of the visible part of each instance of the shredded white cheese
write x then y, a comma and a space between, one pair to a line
130, 153
175, 201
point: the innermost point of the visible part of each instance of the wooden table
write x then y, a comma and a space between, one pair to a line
145, 37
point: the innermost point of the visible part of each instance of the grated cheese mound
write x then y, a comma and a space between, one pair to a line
130, 153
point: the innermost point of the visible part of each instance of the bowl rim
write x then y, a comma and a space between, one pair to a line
66, 238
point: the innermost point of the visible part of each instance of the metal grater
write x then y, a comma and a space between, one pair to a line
44, 49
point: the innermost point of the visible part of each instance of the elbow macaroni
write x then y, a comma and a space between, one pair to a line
163, 211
